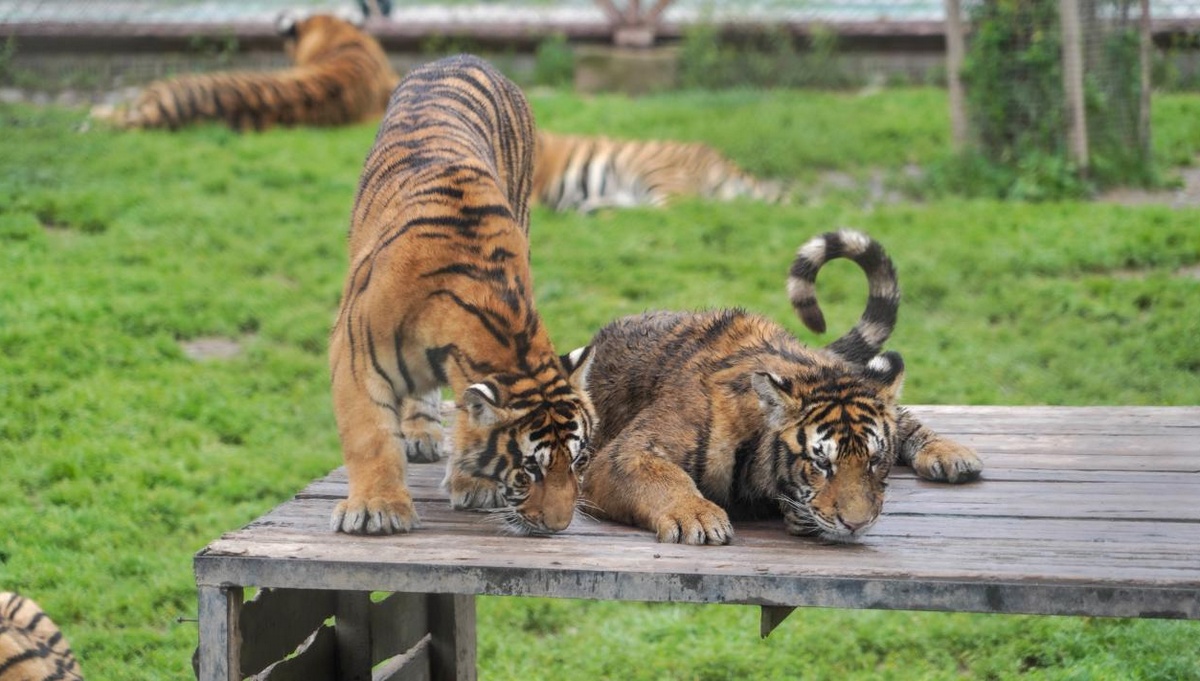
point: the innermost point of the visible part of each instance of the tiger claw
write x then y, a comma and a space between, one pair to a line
697, 522
376, 516
422, 449
947, 461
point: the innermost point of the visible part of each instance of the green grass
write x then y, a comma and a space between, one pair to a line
120, 456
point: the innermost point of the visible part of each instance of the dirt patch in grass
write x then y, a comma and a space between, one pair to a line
1185, 196
214, 348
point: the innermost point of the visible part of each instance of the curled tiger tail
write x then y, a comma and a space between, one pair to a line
866, 338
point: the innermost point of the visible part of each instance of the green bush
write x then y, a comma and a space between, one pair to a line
1013, 75
709, 61
554, 62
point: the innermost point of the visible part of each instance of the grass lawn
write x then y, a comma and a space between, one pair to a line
120, 455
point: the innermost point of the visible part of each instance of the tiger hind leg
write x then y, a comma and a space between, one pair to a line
368, 419
421, 427
933, 457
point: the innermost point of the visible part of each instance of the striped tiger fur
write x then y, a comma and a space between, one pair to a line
589, 173
439, 292
707, 415
31, 647
340, 76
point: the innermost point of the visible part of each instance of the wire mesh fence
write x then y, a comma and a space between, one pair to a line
105, 44
1057, 86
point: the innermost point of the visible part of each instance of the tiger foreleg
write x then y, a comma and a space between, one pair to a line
368, 422
421, 426
933, 457
469, 491
635, 484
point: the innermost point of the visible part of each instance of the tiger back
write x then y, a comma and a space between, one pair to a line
705, 415
340, 76
439, 292
32, 648
576, 172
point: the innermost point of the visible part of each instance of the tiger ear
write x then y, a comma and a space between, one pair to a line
287, 21
774, 394
888, 371
356, 19
481, 404
578, 364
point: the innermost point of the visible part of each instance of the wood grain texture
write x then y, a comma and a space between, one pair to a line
1081, 511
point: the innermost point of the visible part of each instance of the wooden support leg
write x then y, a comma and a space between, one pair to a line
452, 623
771, 617
220, 649
353, 632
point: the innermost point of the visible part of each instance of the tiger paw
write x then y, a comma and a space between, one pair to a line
375, 516
470, 492
694, 521
947, 461
423, 443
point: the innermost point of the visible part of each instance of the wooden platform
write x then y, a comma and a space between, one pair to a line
1082, 511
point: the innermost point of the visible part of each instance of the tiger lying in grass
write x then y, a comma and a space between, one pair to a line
340, 76
710, 414
581, 173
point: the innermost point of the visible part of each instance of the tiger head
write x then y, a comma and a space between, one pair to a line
832, 443
522, 443
307, 36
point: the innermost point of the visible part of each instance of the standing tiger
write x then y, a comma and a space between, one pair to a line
439, 292
32, 648
340, 76
710, 414
588, 173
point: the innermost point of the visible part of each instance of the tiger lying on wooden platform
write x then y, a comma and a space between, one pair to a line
704, 415
341, 76
439, 292
574, 172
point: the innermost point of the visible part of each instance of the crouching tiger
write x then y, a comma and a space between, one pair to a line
588, 173
340, 76
711, 414
440, 292
32, 648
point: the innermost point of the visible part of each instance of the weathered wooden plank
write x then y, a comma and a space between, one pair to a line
819, 587
315, 661
916, 555
960, 419
219, 653
279, 621
411, 666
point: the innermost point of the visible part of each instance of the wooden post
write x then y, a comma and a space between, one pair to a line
1072, 55
220, 649
353, 631
452, 623
955, 53
771, 616
1146, 54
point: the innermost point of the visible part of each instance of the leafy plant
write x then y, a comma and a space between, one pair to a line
554, 62
1017, 107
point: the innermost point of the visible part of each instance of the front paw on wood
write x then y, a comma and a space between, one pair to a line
694, 521
947, 461
378, 515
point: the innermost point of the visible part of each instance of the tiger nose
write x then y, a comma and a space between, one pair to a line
853, 525
556, 522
